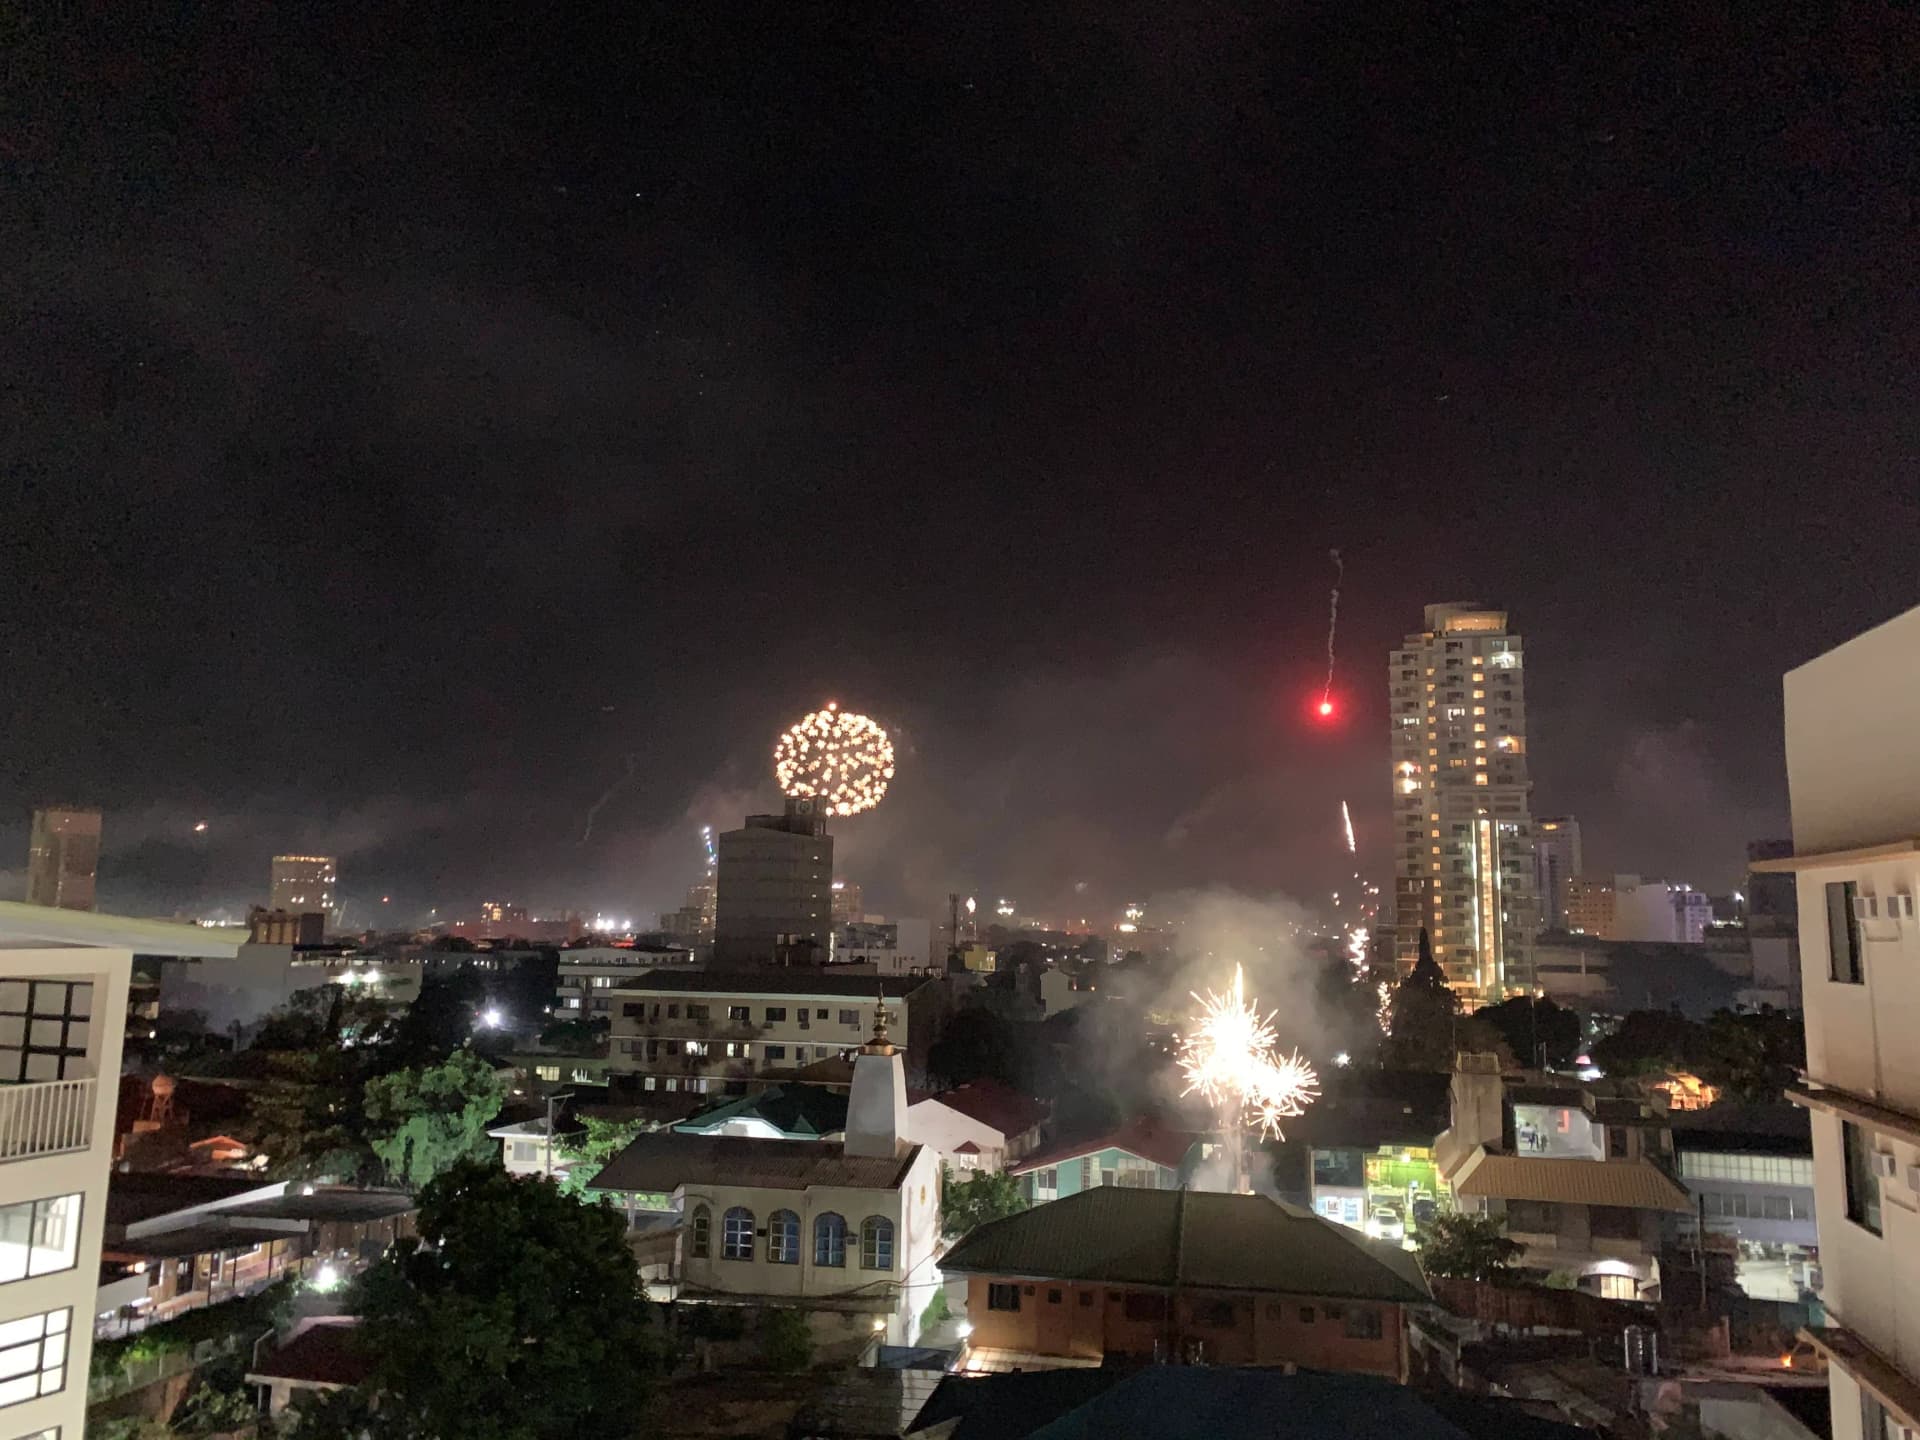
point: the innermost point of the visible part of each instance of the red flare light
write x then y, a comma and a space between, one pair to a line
1326, 709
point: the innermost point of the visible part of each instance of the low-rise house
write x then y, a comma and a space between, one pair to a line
847, 1230
1370, 1141
1139, 1155
983, 1125
319, 1357
1583, 1180
526, 1148
1749, 1170
1115, 1273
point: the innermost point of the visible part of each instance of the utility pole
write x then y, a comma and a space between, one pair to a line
553, 1100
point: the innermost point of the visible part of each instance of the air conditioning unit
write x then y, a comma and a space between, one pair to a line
1900, 907
1913, 1178
1884, 1165
1866, 907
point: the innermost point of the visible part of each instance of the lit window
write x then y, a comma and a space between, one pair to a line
876, 1243
830, 1241
783, 1238
33, 1356
1480, 778
736, 1234
1479, 694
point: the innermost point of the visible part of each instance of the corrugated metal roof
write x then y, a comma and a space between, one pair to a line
48, 925
668, 1159
1630, 1184
1116, 1235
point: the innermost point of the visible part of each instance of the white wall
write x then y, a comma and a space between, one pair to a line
1853, 725
1853, 765
945, 1130
80, 1171
914, 1209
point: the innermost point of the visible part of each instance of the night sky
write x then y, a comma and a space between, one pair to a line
406, 421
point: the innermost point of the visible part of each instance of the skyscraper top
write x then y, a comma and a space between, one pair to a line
1462, 617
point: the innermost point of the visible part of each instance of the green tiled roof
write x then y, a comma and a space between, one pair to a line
1117, 1235
802, 1111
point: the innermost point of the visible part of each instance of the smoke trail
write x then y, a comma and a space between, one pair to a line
633, 764
1333, 625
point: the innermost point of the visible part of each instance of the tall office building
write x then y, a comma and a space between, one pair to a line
303, 884
1463, 841
1853, 775
63, 857
774, 902
1556, 860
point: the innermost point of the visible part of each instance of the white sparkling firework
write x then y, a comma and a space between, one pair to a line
1232, 1058
842, 759
1346, 819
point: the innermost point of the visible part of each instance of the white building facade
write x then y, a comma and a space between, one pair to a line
63, 1003
1853, 767
1463, 841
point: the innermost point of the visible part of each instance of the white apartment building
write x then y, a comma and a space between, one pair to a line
711, 1031
63, 1003
1463, 832
589, 975
1557, 859
1853, 767
892, 947
1653, 910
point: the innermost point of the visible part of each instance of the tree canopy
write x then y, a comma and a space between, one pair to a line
1525, 1023
986, 1196
421, 1122
592, 1146
1468, 1247
517, 1315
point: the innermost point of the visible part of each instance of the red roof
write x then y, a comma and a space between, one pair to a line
323, 1354
1137, 1137
999, 1107
966, 1147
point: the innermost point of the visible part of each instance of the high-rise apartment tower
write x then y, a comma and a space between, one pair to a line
1556, 860
303, 884
1463, 837
774, 901
63, 857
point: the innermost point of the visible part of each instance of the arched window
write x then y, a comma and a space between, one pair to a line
702, 1232
783, 1238
876, 1243
736, 1234
830, 1241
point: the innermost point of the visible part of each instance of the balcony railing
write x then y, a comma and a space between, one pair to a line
49, 1117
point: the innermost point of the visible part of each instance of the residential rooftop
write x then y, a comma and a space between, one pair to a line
667, 1159
997, 1106
1627, 1184
1162, 1238
801, 1111
1145, 1138
776, 982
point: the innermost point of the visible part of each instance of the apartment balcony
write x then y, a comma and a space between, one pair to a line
47, 1117
638, 1029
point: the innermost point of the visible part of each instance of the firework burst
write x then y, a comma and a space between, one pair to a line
839, 758
1232, 1058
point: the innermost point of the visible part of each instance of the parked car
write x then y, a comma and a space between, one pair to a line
1385, 1223
1425, 1209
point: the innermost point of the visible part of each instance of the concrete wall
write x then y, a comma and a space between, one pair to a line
932, 1124
1234, 1328
1084, 1172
